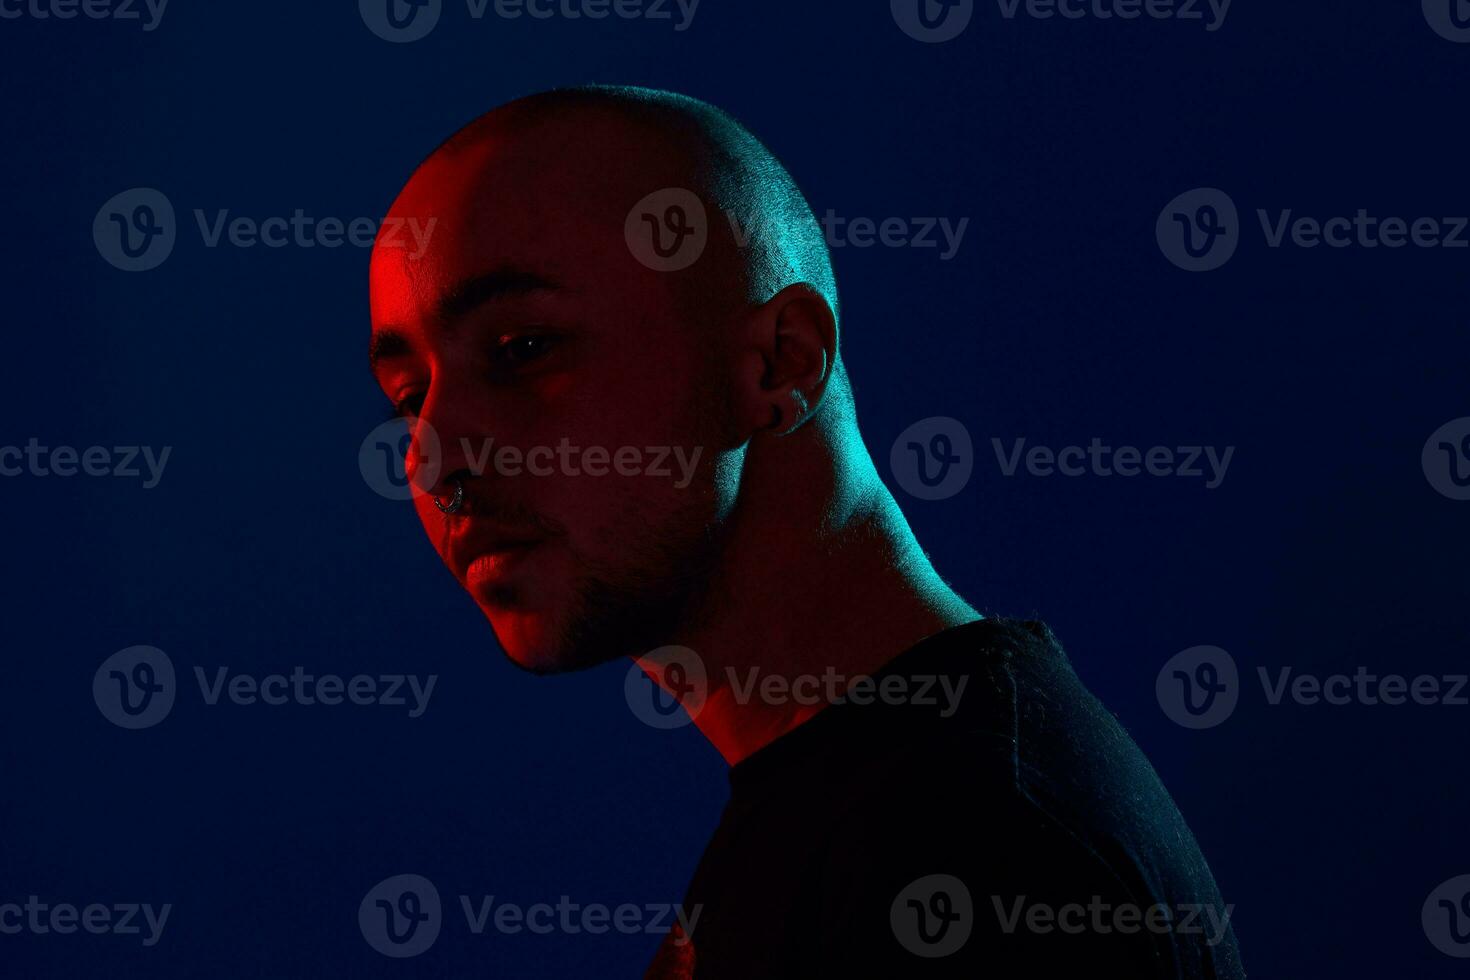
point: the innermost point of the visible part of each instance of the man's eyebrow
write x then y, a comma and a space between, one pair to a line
461, 299
387, 344
495, 284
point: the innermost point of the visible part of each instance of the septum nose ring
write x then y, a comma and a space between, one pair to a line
456, 499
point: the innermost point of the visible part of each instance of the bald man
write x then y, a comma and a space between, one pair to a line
622, 275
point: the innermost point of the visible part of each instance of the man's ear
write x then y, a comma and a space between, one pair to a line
788, 347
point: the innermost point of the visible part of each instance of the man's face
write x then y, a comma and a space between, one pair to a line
539, 351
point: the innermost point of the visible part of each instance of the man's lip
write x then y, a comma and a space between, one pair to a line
472, 543
490, 566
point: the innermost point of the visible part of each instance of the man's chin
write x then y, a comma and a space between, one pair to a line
548, 629
539, 644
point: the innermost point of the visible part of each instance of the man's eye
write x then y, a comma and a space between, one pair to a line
409, 406
524, 349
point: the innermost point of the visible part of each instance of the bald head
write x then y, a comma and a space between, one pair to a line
763, 234
535, 319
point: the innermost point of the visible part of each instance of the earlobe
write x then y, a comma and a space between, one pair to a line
791, 341
798, 413
789, 413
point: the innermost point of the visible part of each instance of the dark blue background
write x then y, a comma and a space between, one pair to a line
1059, 320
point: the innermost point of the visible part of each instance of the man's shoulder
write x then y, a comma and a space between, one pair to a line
999, 697
1000, 732
1024, 792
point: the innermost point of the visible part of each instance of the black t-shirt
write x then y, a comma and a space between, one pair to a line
1012, 831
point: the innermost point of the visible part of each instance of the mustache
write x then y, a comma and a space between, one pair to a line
510, 515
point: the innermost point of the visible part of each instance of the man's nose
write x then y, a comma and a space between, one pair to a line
447, 435
424, 461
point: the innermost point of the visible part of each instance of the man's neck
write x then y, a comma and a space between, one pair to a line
810, 595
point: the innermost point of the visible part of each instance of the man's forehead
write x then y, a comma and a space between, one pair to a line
489, 218
478, 200
550, 198
581, 159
